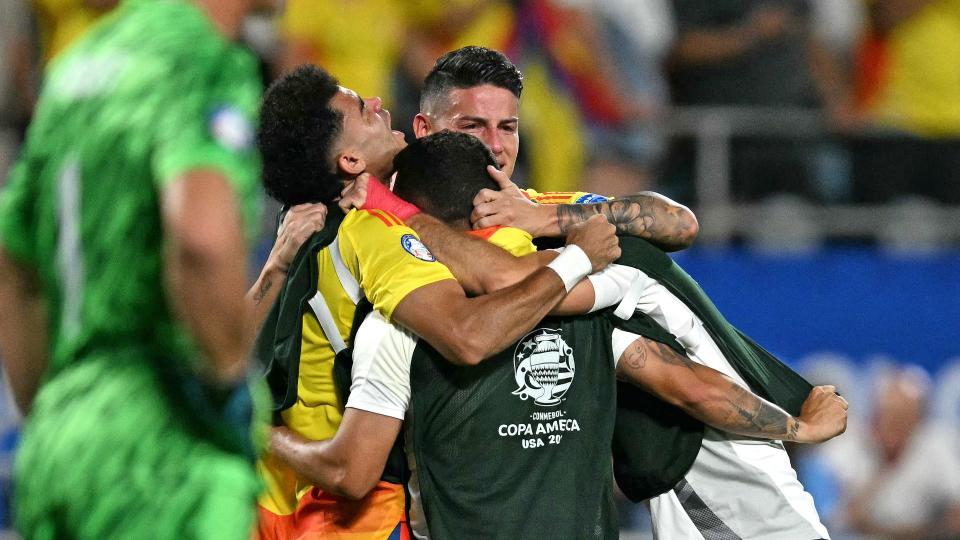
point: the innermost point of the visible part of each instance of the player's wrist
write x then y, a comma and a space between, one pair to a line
797, 430
572, 266
275, 265
549, 224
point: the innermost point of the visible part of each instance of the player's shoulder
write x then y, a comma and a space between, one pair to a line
382, 232
364, 220
182, 36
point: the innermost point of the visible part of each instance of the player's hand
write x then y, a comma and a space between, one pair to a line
823, 415
354, 194
509, 207
598, 239
298, 226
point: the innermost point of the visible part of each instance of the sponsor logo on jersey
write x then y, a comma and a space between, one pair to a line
544, 367
590, 198
416, 248
231, 128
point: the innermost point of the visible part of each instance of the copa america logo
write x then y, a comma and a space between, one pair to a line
544, 367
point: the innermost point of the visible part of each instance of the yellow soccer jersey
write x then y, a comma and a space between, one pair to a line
517, 241
385, 261
565, 197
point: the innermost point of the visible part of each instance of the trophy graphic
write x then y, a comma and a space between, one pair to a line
545, 367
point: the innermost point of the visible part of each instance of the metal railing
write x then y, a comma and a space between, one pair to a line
913, 223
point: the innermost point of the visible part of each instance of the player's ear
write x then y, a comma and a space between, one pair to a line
421, 125
351, 163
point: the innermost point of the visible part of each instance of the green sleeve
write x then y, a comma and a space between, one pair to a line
210, 123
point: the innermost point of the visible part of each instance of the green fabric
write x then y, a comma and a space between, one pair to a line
655, 443
765, 373
106, 453
278, 344
151, 91
492, 462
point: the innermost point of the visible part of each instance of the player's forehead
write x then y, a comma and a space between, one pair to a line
347, 102
486, 101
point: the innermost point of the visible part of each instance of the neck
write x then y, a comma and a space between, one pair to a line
226, 15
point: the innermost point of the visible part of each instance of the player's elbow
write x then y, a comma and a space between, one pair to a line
689, 228
684, 231
467, 348
352, 485
465, 355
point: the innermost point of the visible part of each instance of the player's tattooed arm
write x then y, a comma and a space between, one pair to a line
669, 225
720, 402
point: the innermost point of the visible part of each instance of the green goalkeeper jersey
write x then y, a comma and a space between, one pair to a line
150, 92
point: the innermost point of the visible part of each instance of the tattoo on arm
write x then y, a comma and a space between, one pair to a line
756, 416
636, 355
262, 291
640, 215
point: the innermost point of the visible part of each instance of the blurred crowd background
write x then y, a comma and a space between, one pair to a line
817, 140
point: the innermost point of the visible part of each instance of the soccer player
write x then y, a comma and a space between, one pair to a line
123, 244
315, 137
477, 90
452, 432
740, 486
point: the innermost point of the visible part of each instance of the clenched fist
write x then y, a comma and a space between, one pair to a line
598, 239
823, 415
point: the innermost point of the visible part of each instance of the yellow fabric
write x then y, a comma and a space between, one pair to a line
371, 247
359, 41
517, 241
556, 149
922, 90
555, 197
490, 24
61, 22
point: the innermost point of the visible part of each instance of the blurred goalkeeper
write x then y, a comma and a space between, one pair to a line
123, 246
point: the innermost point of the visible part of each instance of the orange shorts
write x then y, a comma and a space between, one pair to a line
381, 515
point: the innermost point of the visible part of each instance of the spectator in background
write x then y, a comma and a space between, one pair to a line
909, 86
756, 53
900, 478
327, 34
625, 42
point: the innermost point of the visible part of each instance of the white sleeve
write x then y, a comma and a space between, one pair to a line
610, 284
381, 368
621, 339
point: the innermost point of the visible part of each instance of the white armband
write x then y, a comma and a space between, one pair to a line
611, 284
572, 265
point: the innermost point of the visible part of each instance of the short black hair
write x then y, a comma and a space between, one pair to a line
442, 173
298, 128
468, 67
